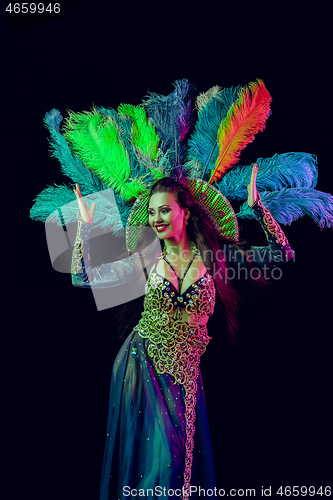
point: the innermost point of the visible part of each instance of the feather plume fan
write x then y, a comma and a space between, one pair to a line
129, 150
61, 199
71, 165
96, 140
111, 211
289, 204
245, 118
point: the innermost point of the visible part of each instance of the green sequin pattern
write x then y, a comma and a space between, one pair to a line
176, 345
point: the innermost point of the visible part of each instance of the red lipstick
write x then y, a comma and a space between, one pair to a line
161, 227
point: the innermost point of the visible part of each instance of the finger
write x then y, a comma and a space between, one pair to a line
92, 209
254, 172
78, 190
76, 193
255, 168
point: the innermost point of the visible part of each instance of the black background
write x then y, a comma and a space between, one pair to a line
269, 398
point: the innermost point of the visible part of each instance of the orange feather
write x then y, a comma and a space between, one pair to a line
246, 117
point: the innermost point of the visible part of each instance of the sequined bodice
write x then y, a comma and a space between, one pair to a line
188, 299
174, 344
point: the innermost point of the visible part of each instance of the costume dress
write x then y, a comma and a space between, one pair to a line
157, 431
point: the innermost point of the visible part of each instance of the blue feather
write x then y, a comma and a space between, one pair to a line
282, 170
289, 204
171, 116
204, 137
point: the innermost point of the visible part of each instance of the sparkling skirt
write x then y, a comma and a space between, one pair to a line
145, 442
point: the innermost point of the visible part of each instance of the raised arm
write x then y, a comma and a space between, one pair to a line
105, 275
278, 250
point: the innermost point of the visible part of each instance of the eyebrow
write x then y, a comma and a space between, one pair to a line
161, 206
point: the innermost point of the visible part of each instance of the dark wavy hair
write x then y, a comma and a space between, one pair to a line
203, 232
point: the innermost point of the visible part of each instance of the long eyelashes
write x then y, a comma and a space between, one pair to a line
164, 211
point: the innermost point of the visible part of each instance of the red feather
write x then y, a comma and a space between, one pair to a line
246, 117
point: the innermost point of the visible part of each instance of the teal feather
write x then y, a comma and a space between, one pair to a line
51, 199
56, 198
53, 119
281, 170
107, 214
71, 165
204, 137
111, 211
289, 204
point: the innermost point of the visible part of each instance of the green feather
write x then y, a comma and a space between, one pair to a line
144, 136
70, 165
96, 140
145, 142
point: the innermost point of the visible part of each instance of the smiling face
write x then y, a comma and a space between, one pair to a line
165, 216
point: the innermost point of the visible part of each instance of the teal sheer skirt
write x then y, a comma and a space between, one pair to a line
145, 441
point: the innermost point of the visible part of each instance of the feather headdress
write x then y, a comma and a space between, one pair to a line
116, 156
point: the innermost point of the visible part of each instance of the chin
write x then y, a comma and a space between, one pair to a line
161, 236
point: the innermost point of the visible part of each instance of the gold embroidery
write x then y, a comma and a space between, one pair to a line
271, 224
76, 265
175, 345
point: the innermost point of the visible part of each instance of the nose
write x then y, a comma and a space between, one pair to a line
157, 218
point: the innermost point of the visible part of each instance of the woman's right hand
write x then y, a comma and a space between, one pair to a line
87, 214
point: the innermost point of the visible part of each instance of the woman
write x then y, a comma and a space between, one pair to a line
158, 442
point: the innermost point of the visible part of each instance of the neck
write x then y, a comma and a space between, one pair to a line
179, 246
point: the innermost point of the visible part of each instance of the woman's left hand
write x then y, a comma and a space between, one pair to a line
252, 188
